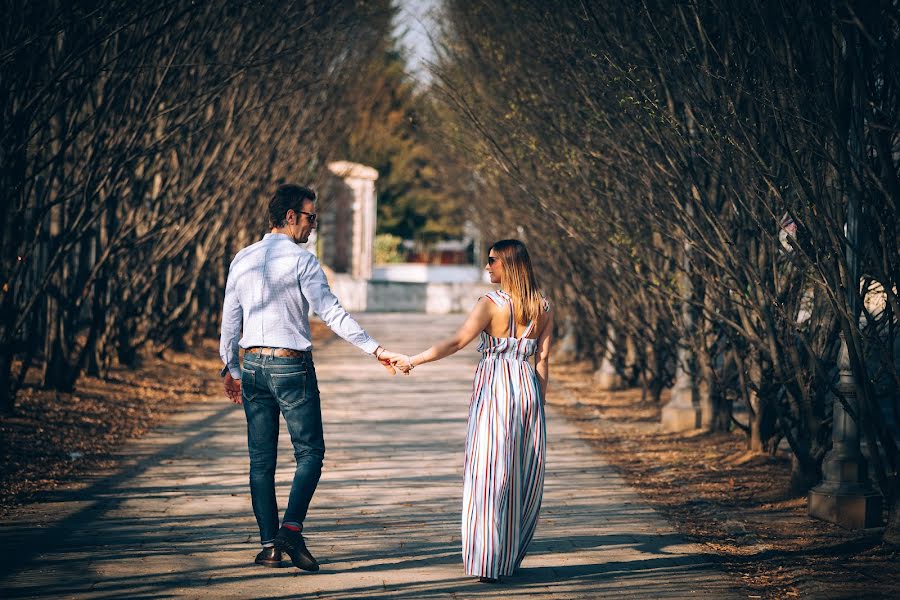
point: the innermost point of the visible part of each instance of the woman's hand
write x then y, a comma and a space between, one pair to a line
403, 363
476, 322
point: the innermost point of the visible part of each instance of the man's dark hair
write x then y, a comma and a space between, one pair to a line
288, 196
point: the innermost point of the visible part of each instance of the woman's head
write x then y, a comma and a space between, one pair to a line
510, 266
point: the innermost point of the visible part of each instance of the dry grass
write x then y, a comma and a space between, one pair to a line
736, 503
54, 437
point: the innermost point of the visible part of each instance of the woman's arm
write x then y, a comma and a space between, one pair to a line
542, 356
477, 320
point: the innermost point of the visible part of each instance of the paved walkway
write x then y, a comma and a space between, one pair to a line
176, 521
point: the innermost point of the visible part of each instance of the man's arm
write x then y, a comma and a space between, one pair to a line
232, 317
314, 287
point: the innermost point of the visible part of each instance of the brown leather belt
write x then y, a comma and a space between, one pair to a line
283, 352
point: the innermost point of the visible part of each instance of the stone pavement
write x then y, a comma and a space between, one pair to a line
175, 521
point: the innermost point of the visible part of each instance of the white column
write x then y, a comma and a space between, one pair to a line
361, 179
681, 412
606, 377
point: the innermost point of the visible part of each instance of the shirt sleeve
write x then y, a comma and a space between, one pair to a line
314, 287
232, 316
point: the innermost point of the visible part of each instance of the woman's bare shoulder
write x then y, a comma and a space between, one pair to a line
487, 306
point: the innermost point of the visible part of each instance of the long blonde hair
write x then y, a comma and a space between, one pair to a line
518, 280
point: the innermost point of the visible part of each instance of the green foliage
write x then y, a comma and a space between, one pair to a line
387, 249
413, 202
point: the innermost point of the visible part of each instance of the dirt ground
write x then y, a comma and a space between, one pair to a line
735, 503
53, 437
707, 485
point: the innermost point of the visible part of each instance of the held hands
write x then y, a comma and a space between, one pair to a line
403, 363
386, 358
393, 361
233, 388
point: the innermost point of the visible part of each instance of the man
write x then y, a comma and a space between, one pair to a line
271, 285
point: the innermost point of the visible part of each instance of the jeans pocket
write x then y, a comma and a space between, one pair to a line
291, 388
248, 384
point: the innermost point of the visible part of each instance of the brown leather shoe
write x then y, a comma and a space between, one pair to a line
269, 557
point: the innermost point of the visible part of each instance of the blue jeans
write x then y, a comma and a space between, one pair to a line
286, 385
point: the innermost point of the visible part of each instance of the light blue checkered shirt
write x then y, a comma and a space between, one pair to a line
271, 285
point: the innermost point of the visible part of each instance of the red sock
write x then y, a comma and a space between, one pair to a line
291, 526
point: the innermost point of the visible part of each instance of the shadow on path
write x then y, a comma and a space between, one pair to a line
176, 520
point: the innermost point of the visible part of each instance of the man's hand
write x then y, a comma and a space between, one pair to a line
385, 357
233, 388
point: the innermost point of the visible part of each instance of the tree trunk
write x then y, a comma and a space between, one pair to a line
7, 404
892, 530
804, 474
762, 422
59, 373
762, 426
94, 363
126, 350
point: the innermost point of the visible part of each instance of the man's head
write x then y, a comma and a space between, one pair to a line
292, 210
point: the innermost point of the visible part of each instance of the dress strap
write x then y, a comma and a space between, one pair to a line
511, 326
496, 298
528, 329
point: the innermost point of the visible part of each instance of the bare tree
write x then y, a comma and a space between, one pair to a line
138, 146
688, 170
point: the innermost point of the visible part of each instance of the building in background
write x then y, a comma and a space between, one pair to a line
345, 245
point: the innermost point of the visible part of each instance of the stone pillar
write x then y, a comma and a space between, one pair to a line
606, 376
845, 496
361, 180
682, 412
567, 347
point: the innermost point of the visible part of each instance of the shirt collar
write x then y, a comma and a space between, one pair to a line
277, 236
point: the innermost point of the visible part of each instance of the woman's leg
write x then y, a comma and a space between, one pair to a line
486, 490
534, 447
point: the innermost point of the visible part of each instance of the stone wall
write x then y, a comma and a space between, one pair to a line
401, 296
427, 273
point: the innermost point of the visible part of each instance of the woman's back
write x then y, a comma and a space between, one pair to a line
503, 324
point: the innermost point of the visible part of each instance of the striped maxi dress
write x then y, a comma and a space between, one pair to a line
505, 448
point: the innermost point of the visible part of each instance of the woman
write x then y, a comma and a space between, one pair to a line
505, 442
